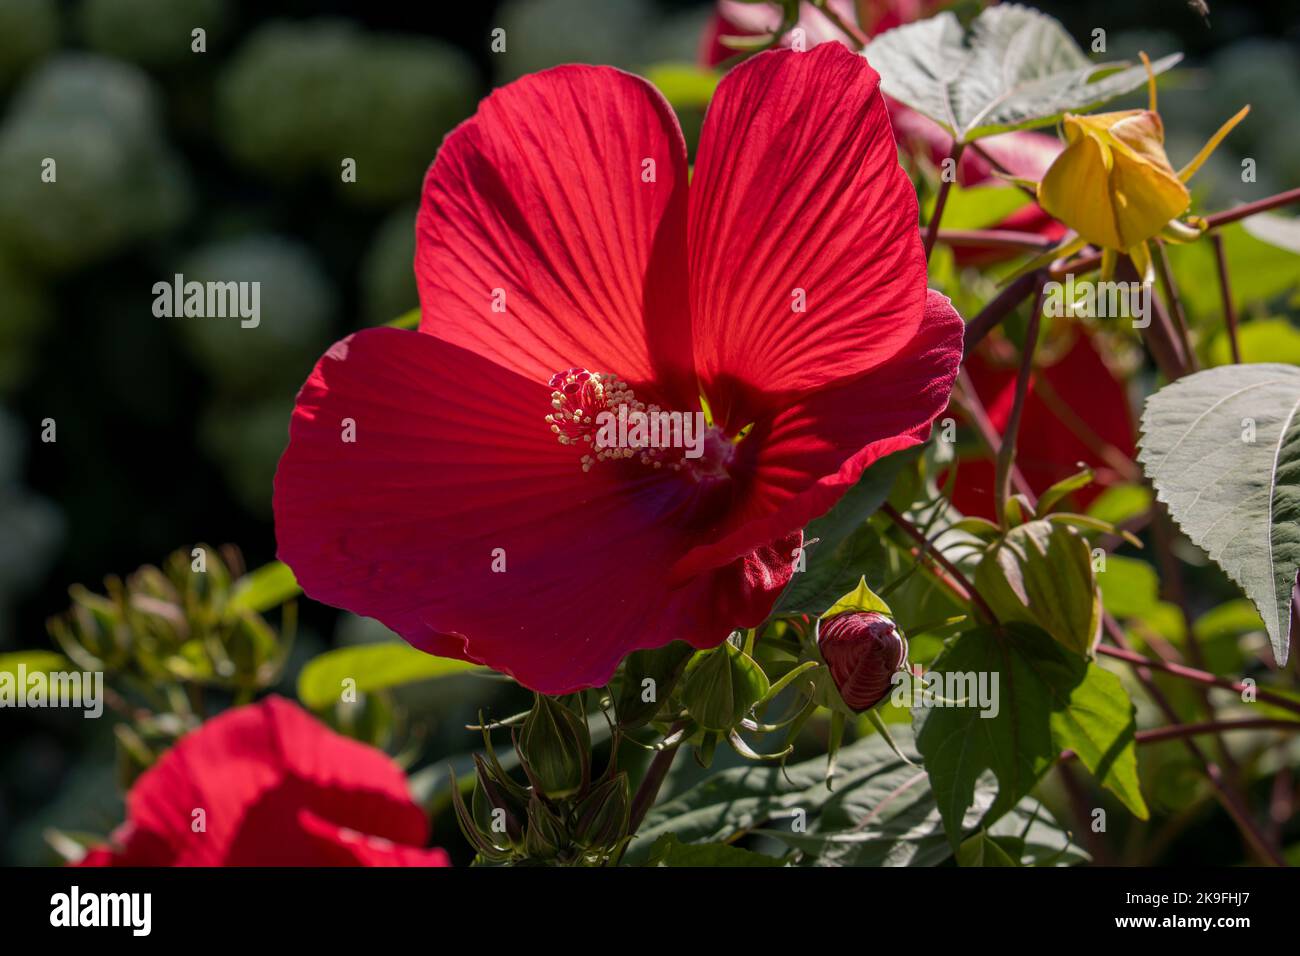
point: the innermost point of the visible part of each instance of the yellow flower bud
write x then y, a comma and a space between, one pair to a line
1113, 184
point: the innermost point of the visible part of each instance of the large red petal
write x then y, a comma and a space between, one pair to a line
811, 452
798, 191
458, 520
552, 228
252, 771
343, 846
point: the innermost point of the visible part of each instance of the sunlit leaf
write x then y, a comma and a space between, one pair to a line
267, 587
373, 667
1222, 448
1016, 69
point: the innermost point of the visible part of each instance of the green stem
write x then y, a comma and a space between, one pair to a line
1007, 451
857, 40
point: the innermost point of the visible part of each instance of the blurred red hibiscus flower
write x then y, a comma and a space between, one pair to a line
1022, 154
565, 267
1076, 412
268, 785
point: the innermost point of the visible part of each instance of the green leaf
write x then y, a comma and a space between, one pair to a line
267, 587
684, 85
979, 207
861, 598
1099, 726
1049, 499
881, 812
34, 662
1040, 573
1280, 231
985, 850
1017, 69
669, 851
407, 320
1047, 700
1129, 587
1263, 340
837, 548
1222, 448
1260, 272
373, 667
1119, 503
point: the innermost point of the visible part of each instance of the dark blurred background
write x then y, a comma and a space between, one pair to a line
225, 165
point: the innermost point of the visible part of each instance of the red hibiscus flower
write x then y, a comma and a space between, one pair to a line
565, 267
1076, 412
269, 785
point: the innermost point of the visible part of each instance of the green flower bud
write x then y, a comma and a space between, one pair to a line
648, 680
602, 817
721, 686
1041, 573
555, 749
546, 835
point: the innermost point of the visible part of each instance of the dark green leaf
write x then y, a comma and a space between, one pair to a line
1047, 700
669, 851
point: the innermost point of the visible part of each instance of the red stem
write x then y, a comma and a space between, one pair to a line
945, 184
1198, 676
1180, 731
1225, 290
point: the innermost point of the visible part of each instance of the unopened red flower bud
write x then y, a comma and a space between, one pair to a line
862, 650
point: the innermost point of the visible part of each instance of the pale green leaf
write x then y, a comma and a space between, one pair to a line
1017, 69
684, 85
1222, 448
267, 587
861, 598
34, 662
1280, 231
373, 667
